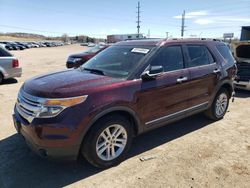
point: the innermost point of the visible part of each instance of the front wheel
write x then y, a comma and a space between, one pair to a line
219, 107
1, 78
107, 143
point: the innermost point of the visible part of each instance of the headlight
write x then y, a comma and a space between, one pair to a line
74, 59
52, 107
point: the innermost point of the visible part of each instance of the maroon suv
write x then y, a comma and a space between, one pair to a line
129, 88
76, 60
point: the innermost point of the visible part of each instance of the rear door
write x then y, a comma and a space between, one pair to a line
162, 99
204, 74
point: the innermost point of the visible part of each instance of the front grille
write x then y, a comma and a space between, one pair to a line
243, 71
28, 106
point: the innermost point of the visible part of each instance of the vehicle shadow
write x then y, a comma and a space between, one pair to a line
9, 81
242, 93
20, 167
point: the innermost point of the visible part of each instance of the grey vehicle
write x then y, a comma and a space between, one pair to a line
9, 65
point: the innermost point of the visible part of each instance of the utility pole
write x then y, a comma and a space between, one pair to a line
149, 33
138, 19
167, 34
183, 23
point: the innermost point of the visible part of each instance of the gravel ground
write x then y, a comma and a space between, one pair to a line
194, 152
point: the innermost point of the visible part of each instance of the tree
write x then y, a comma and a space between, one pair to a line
65, 38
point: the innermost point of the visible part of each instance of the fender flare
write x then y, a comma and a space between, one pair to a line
219, 86
128, 110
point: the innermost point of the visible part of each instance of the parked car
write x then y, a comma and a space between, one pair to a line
33, 45
84, 44
3, 45
90, 44
11, 46
241, 51
9, 65
76, 60
130, 88
23, 44
7, 46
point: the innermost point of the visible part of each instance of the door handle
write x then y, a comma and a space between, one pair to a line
182, 79
216, 71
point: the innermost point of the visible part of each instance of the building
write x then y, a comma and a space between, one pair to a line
245, 33
117, 38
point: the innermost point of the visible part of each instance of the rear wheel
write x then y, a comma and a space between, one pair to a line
219, 107
107, 143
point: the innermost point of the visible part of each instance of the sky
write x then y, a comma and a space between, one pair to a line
206, 18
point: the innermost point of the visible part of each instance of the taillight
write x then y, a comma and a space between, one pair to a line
15, 63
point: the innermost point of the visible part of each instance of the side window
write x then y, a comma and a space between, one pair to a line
199, 55
170, 58
226, 54
4, 53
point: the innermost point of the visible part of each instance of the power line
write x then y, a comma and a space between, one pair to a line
138, 19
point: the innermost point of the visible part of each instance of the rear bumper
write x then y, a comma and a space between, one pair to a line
15, 72
242, 85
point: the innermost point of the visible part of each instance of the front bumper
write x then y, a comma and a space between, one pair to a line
242, 85
48, 141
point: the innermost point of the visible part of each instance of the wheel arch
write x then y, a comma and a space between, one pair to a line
119, 110
229, 88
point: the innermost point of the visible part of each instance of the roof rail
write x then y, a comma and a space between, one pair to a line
183, 38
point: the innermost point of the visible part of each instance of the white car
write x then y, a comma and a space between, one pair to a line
9, 65
91, 44
241, 51
2, 45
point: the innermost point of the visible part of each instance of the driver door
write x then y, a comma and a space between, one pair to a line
165, 97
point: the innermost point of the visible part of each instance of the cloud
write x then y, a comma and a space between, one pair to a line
114, 30
205, 17
221, 20
193, 14
203, 21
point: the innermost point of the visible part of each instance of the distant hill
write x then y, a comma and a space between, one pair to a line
23, 35
17, 36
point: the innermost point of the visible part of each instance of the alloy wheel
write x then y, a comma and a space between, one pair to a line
111, 142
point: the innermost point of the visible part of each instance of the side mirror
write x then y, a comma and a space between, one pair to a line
152, 73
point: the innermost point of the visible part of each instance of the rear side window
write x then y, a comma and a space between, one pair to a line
225, 52
170, 58
199, 55
4, 53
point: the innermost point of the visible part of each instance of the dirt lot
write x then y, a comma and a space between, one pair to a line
194, 152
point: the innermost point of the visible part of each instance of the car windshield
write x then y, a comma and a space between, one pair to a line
117, 61
94, 49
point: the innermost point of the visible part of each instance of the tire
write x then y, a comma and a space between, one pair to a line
1, 78
116, 147
219, 106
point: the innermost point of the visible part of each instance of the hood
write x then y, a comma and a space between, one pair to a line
81, 55
65, 84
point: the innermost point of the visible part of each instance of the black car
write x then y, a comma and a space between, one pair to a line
7, 46
23, 44
12, 45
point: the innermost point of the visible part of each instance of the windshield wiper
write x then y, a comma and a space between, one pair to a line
94, 71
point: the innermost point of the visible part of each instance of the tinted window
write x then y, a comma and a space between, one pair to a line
4, 53
199, 55
225, 52
170, 58
118, 61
